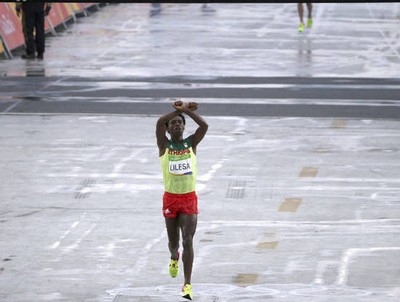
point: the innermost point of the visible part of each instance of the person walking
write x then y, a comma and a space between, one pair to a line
33, 14
179, 168
300, 11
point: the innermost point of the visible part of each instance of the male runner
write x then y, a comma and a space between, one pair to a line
179, 168
300, 11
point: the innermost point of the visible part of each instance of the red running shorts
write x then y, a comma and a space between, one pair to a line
174, 204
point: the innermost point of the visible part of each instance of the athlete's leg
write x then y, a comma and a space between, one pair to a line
188, 224
300, 10
309, 8
172, 225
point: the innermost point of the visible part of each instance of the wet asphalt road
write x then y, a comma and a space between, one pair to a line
298, 175
326, 97
346, 65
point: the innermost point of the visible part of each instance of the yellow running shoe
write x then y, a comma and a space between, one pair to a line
187, 292
174, 267
301, 27
309, 22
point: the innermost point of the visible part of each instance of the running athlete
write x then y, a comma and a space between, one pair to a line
179, 168
300, 11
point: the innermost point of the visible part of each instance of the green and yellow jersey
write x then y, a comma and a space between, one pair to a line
179, 167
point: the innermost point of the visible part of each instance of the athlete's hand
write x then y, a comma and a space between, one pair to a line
179, 105
192, 106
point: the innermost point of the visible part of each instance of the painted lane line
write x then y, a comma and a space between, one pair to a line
141, 261
77, 242
64, 235
11, 107
352, 253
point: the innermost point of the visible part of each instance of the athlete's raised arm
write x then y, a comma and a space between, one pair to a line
201, 131
161, 130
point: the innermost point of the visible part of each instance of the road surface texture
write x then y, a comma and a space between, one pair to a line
298, 180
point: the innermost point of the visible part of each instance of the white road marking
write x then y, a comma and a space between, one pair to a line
141, 261
352, 253
77, 242
64, 235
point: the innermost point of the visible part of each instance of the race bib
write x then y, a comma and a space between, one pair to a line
181, 167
